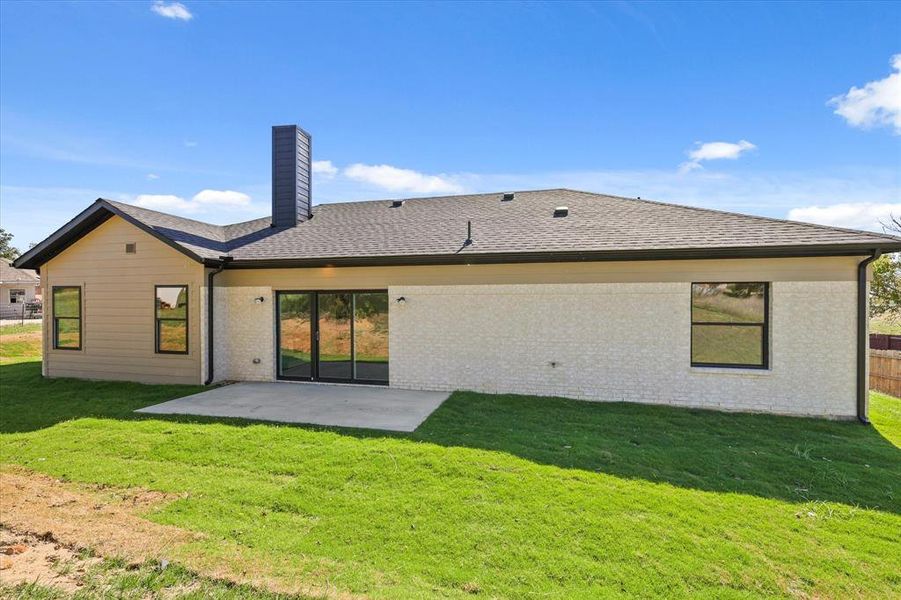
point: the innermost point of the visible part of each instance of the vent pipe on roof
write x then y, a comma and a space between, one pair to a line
561, 211
291, 175
508, 196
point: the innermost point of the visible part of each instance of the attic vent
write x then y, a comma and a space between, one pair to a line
131, 248
508, 196
397, 203
561, 211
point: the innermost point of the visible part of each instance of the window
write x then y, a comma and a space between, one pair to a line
729, 325
67, 317
172, 319
16, 296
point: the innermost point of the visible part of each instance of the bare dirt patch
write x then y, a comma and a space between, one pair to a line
81, 522
27, 558
30, 336
103, 520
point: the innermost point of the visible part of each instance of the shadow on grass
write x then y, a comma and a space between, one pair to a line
787, 458
29, 402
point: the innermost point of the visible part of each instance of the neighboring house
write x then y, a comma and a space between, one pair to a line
19, 288
549, 292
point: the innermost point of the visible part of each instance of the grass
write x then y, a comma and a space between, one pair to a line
501, 496
888, 324
21, 328
19, 341
113, 578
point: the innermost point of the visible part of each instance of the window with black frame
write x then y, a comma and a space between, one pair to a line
67, 317
172, 319
729, 325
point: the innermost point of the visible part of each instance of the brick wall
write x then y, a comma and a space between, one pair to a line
608, 342
243, 331
621, 342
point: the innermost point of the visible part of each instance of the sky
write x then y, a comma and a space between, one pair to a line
789, 110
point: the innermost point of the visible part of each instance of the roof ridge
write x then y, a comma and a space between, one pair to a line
450, 196
159, 212
738, 214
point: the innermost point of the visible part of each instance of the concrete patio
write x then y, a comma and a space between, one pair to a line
368, 407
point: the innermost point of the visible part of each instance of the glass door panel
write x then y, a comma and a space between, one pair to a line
371, 336
295, 326
335, 341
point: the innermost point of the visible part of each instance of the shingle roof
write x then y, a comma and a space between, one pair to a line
435, 230
10, 274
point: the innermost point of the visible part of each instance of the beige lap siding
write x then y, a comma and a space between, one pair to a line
118, 327
621, 342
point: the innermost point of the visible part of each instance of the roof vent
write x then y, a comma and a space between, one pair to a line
561, 211
397, 203
508, 196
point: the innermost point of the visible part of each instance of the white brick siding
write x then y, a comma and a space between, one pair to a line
610, 342
244, 330
621, 342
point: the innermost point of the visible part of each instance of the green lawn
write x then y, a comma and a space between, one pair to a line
25, 327
500, 496
114, 578
889, 324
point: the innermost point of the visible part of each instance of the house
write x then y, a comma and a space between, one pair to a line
549, 292
19, 290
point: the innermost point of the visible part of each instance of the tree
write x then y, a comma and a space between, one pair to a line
893, 225
885, 289
6, 249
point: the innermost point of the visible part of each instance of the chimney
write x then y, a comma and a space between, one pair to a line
291, 175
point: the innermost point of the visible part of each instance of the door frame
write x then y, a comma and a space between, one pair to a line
314, 337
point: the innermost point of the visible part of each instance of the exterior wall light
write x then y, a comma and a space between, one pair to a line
401, 300
259, 300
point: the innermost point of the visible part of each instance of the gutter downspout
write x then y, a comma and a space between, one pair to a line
862, 341
223, 260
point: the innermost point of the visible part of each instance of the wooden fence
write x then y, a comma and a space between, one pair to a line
881, 341
885, 371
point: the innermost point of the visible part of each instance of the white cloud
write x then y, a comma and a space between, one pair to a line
191, 144
152, 176
325, 168
221, 198
172, 10
202, 201
395, 179
857, 215
876, 104
715, 151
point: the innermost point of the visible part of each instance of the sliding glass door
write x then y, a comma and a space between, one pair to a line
371, 336
295, 335
333, 336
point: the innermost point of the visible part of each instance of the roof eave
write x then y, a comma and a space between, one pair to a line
569, 256
84, 222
